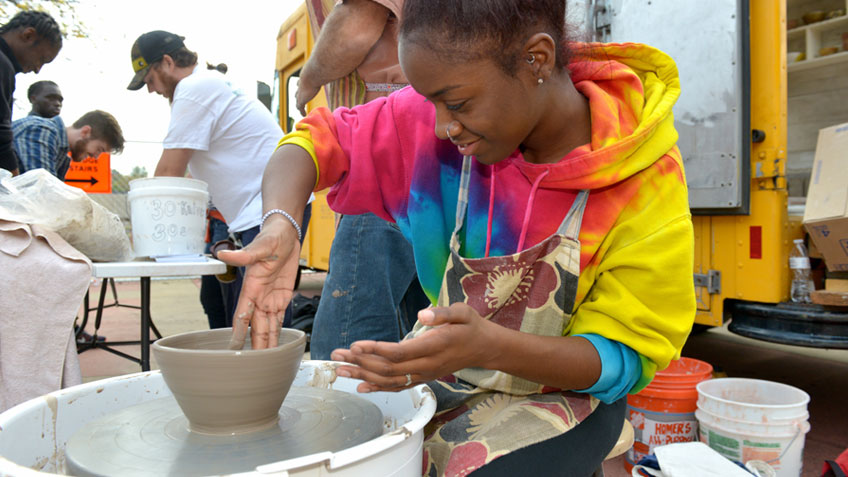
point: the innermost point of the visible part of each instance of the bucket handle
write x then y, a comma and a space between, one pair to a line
797, 433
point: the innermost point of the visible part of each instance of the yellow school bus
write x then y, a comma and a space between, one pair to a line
734, 122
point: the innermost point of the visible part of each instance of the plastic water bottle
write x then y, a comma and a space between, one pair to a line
799, 262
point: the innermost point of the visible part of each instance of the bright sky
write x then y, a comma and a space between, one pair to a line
93, 72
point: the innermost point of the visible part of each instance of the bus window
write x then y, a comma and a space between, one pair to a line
292, 114
275, 96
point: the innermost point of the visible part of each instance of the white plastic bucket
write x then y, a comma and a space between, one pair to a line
168, 216
751, 419
34, 434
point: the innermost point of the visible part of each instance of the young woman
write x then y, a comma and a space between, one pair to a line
539, 183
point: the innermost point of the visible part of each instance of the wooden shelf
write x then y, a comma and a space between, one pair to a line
817, 62
824, 25
810, 39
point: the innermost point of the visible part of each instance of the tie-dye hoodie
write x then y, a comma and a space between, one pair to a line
635, 285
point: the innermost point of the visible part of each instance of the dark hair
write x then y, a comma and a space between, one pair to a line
36, 87
105, 127
475, 29
43, 23
184, 57
220, 67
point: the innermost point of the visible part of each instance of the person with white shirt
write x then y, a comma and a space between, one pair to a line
216, 133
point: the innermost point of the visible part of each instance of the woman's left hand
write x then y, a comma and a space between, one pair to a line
460, 339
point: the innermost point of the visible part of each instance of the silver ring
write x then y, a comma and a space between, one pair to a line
408, 379
447, 132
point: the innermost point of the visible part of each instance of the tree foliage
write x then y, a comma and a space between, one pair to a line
120, 182
64, 11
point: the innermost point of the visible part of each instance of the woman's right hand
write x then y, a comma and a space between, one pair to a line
272, 261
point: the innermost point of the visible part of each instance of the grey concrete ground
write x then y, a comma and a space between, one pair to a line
821, 373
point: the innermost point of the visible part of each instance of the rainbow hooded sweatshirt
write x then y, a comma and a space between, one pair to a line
635, 285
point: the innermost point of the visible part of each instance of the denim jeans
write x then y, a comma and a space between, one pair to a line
232, 290
371, 291
211, 291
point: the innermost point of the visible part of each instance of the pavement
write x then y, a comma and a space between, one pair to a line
823, 374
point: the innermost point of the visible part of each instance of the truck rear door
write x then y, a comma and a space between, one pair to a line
709, 42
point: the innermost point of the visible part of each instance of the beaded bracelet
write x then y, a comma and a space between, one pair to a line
284, 214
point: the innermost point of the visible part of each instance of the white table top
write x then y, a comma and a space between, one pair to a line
150, 268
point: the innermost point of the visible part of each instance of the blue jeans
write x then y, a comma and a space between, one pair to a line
211, 290
232, 290
371, 291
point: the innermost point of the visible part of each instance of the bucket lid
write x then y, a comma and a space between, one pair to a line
183, 182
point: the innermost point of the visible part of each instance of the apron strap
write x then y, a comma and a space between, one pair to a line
570, 226
462, 199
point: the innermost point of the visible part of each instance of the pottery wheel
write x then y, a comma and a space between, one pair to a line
152, 438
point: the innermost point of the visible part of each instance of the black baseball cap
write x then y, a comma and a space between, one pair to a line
148, 49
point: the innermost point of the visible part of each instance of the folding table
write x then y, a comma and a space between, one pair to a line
144, 269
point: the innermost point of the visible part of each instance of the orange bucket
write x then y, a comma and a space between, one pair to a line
664, 412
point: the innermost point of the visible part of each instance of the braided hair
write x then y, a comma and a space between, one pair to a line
42, 22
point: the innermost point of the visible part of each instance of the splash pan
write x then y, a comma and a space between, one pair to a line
111, 417
153, 438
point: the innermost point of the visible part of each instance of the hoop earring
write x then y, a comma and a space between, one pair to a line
532, 59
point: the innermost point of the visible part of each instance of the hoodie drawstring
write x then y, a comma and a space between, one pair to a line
528, 208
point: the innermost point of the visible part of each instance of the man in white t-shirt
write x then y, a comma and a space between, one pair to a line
217, 134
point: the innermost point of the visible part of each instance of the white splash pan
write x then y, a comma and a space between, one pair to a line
33, 434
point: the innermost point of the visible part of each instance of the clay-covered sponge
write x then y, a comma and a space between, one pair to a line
223, 391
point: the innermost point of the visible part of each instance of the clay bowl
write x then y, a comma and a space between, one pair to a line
814, 17
828, 51
226, 392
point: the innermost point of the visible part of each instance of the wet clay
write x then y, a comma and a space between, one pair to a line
152, 438
228, 392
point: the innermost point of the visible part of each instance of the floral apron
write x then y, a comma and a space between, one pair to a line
484, 414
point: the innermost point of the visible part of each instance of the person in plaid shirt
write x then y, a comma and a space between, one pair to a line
45, 143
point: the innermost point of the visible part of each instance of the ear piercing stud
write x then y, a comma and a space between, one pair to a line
532, 60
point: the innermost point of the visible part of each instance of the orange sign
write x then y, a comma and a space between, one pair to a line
91, 175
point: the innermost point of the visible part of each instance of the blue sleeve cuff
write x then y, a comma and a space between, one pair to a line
621, 369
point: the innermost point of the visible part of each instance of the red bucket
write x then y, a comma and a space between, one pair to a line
664, 412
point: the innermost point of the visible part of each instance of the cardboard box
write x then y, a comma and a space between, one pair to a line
814, 251
826, 213
836, 285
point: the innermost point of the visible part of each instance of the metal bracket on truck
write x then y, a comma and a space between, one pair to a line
711, 281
